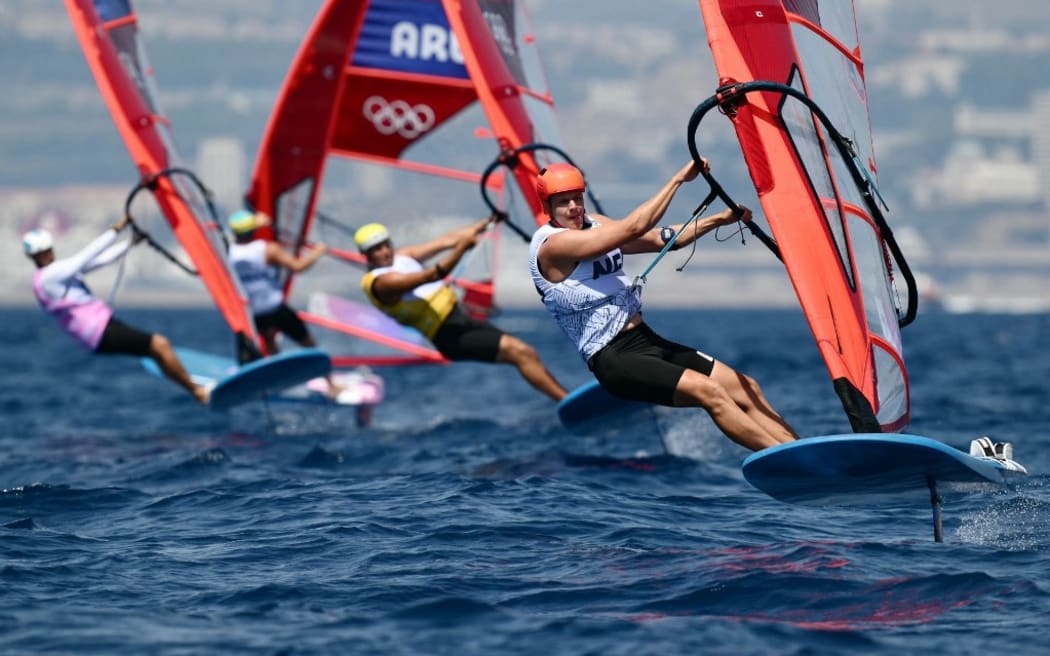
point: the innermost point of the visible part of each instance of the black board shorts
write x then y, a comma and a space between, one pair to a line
282, 320
463, 337
639, 365
120, 338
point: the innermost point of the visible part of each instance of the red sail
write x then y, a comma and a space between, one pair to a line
377, 81
832, 246
108, 35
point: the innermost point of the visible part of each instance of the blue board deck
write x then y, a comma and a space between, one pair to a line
269, 375
234, 385
867, 469
590, 407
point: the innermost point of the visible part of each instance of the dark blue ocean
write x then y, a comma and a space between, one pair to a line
466, 520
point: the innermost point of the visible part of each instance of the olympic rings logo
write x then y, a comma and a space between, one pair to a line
408, 121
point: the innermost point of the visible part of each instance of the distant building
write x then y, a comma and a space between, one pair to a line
221, 164
76, 214
1041, 142
970, 121
920, 76
974, 174
999, 156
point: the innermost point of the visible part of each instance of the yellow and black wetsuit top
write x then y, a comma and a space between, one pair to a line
424, 308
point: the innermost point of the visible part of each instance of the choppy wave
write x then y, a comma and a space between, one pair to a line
466, 520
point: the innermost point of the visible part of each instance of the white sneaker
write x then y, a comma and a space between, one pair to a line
982, 447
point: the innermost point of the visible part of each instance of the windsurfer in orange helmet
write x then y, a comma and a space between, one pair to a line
576, 262
416, 295
61, 291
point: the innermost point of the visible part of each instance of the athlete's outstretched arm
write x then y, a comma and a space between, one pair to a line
277, 256
652, 242
426, 250
391, 285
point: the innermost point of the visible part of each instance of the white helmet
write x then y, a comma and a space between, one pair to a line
37, 241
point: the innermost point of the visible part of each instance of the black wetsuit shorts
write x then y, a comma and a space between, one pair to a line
282, 320
640, 365
463, 337
120, 338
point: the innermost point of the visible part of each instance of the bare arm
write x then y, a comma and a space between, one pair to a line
277, 256
392, 285
651, 241
563, 250
426, 250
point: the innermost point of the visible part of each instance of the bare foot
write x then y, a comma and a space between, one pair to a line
334, 389
202, 393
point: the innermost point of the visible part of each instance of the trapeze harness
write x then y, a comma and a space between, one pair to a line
60, 289
424, 308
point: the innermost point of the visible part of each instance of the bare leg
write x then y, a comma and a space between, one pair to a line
270, 342
695, 389
746, 393
514, 351
334, 388
162, 353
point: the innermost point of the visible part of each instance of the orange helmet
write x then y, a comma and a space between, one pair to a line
558, 178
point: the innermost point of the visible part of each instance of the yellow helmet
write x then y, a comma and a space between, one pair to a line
370, 235
243, 221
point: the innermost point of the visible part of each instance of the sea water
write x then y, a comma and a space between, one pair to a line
466, 520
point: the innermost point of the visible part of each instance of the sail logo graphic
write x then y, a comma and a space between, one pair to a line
426, 42
409, 37
501, 33
398, 117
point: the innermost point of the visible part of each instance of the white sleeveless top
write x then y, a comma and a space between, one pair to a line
594, 303
261, 281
